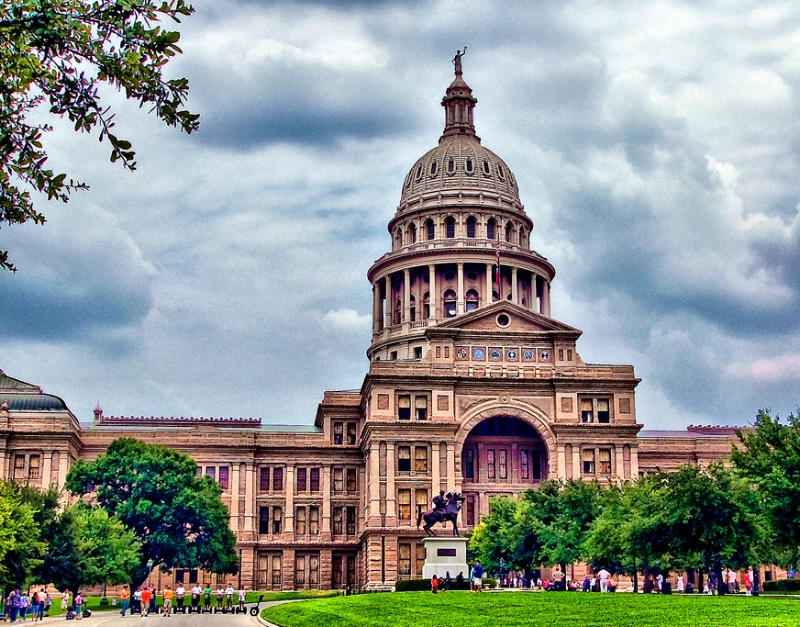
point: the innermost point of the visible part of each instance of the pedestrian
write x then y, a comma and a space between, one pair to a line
180, 592
24, 603
196, 591
13, 605
153, 596
137, 600
478, 577
659, 583
78, 606
146, 595
558, 578
166, 609
748, 581
472, 579
65, 601
229, 597
604, 576
730, 578
242, 599
124, 596
681, 586
434, 584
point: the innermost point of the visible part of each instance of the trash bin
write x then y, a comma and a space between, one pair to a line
666, 588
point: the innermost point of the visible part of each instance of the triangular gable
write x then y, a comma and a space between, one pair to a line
520, 320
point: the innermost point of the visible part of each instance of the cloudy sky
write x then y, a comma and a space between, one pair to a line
656, 145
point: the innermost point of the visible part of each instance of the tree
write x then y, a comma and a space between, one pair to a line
87, 546
770, 460
21, 548
177, 515
58, 53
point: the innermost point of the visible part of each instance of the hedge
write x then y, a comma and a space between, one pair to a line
415, 585
782, 585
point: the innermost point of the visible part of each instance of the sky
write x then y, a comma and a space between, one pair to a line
656, 146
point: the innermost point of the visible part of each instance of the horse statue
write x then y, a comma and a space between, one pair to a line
447, 508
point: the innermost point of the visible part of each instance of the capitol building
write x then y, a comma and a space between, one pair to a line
472, 387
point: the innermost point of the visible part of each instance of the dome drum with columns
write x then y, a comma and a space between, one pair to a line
473, 387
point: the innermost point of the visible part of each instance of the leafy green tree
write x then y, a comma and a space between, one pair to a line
769, 458
21, 548
57, 54
177, 515
87, 546
498, 535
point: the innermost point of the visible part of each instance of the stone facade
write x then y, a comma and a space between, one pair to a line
472, 387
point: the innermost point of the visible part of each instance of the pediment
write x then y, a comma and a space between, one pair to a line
507, 317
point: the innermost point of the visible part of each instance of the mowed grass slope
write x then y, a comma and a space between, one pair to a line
511, 609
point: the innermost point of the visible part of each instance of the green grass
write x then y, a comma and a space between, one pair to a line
512, 609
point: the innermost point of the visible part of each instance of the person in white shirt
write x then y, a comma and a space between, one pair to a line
603, 575
180, 592
196, 591
229, 597
242, 598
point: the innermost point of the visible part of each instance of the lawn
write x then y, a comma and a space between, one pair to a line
512, 609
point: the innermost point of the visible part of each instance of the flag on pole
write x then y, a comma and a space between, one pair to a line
497, 270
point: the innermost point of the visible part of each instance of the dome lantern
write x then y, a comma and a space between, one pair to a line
459, 104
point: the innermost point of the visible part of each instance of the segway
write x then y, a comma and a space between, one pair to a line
255, 610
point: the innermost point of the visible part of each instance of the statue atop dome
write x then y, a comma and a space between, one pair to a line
457, 61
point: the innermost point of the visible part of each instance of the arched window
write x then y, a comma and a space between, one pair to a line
412, 234
398, 238
398, 310
491, 229
450, 227
472, 300
471, 227
450, 304
426, 305
509, 231
413, 309
523, 237
430, 228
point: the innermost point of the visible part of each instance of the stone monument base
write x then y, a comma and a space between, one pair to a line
445, 555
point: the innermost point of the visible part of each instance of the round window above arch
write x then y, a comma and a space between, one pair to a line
503, 320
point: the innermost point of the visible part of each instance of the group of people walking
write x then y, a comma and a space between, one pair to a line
143, 600
22, 605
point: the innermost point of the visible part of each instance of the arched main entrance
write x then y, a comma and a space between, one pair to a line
501, 456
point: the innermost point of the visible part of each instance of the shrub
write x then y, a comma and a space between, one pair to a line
415, 585
784, 586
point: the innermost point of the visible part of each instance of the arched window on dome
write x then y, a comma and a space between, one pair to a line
413, 309
472, 300
397, 314
430, 229
450, 227
491, 229
451, 166
450, 304
471, 223
398, 239
509, 231
426, 305
412, 233
434, 168
487, 169
469, 166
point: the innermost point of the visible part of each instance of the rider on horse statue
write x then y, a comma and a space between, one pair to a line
445, 508
440, 503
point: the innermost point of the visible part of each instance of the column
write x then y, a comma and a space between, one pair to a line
234, 511
376, 307
546, 299
248, 498
326, 501
451, 468
436, 480
489, 284
63, 468
619, 463
289, 516
391, 497
374, 483
514, 287
389, 301
460, 303
561, 459
406, 295
634, 463
434, 295
576, 461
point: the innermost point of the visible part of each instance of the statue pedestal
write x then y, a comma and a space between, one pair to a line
445, 555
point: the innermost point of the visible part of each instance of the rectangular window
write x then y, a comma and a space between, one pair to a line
421, 499
277, 480
603, 411
338, 516
536, 465
421, 407
490, 464
300, 521
352, 483
404, 561
421, 459
604, 461
315, 479
336, 572
469, 463
263, 479
470, 509
211, 471
277, 570
587, 410
351, 521
263, 520
302, 485
313, 521
404, 504
404, 407
403, 459
277, 520
193, 575
420, 558
502, 463
587, 457
351, 433
223, 478
33, 468
313, 570
338, 432
179, 575
338, 480
524, 465
299, 571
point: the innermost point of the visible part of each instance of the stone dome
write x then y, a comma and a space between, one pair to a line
459, 165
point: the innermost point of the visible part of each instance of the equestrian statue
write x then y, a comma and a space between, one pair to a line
445, 507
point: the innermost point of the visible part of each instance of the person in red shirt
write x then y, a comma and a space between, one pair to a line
146, 594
